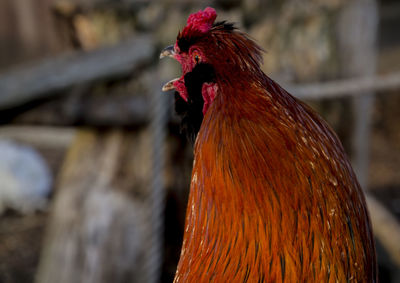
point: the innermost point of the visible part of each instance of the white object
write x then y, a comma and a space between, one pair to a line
25, 179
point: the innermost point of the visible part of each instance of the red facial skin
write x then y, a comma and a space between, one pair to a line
188, 61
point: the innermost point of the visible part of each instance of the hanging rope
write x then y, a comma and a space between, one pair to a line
159, 117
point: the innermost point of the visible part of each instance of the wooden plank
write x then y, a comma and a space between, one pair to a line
47, 78
43, 136
346, 87
89, 111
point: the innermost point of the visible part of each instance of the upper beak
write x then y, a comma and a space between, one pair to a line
168, 51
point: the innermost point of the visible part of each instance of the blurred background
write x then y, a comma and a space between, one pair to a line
94, 173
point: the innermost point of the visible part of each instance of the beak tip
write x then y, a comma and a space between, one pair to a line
168, 51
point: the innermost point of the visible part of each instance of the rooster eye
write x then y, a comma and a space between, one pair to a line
196, 57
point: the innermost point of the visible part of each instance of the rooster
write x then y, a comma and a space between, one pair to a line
273, 197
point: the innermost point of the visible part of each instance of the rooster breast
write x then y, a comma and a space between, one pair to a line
273, 197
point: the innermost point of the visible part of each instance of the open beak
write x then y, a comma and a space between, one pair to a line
168, 51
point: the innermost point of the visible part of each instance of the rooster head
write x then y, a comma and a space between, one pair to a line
211, 55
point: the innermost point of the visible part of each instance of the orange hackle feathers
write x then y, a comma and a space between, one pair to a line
273, 197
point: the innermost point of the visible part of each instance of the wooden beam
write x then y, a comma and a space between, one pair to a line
126, 110
44, 136
89, 111
346, 87
50, 76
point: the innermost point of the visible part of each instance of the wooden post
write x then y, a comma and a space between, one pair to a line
357, 33
101, 214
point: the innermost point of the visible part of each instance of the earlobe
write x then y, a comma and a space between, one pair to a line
209, 92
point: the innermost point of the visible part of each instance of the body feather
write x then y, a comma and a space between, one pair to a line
273, 197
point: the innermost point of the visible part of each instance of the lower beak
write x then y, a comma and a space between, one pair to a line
169, 85
167, 51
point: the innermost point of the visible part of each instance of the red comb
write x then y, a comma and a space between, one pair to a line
201, 21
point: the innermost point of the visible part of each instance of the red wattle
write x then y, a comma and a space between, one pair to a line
181, 88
